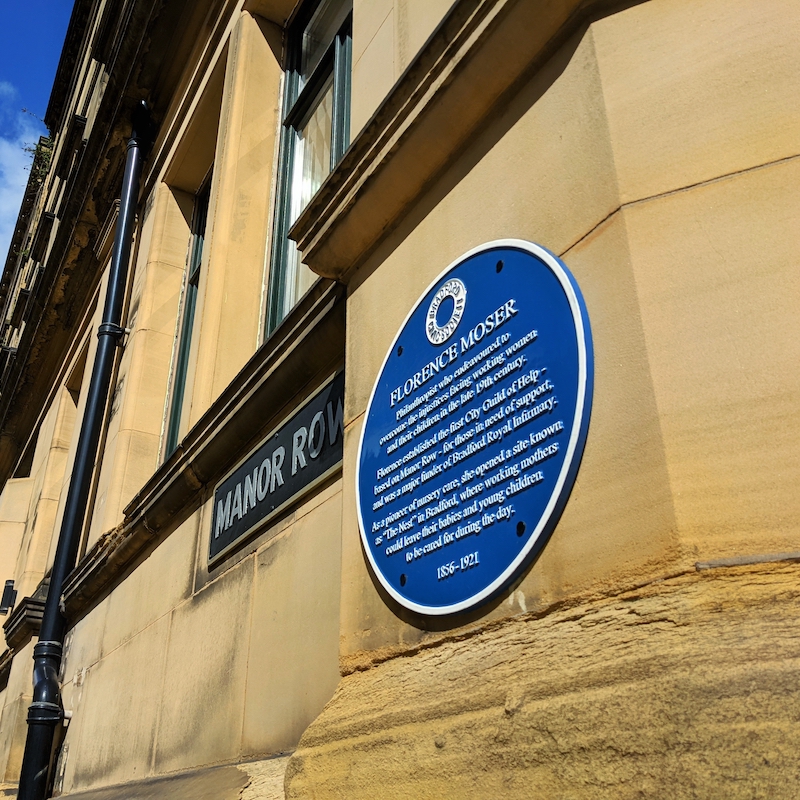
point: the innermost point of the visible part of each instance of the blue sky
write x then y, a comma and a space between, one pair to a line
31, 36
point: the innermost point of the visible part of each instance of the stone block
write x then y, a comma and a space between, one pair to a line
229, 307
266, 778
170, 234
113, 458
619, 525
66, 421
38, 546
373, 75
43, 443
14, 508
698, 90
203, 694
368, 17
294, 652
84, 645
52, 474
112, 734
13, 730
11, 534
160, 273
415, 23
143, 379
15, 500
159, 584
20, 679
716, 275
130, 459
13, 726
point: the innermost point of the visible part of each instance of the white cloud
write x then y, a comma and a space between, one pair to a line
17, 131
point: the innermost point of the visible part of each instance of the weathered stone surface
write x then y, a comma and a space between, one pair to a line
683, 688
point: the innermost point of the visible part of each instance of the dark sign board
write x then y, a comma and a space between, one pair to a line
301, 453
475, 428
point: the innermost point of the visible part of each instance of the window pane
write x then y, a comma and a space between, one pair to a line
313, 153
199, 220
314, 135
298, 279
312, 163
199, 232
319, 33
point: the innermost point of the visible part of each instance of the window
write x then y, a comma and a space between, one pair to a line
315, 135
199, 218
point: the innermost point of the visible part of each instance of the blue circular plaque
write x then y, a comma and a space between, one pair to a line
475, 428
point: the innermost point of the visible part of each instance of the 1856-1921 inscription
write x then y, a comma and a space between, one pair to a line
303, 451
475, 428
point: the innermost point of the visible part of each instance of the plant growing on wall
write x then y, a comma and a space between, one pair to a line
42, 153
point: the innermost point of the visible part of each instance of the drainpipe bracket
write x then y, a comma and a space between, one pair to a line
44, 713
111, 329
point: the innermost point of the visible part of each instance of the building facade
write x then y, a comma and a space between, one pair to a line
313, 168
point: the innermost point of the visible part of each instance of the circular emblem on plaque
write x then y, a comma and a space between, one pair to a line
451, 290
472, 440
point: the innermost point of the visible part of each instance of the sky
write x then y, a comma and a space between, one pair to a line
31, 37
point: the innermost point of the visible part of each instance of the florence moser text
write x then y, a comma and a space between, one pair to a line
448, 356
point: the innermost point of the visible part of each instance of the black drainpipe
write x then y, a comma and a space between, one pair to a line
45, 711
